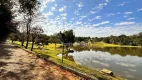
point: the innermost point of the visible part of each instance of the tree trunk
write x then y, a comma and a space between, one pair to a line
33, 39
62, 52
27, 36
32, 45
55, 46
12, 41
28, 32
22, 43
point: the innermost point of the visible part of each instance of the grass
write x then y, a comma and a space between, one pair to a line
51, 53
103, 44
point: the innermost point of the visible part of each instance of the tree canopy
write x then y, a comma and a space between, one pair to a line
6, 17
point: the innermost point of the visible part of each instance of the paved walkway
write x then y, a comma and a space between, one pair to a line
16, 64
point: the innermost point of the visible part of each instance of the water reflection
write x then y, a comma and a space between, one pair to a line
123, 51
69, 57
126, 62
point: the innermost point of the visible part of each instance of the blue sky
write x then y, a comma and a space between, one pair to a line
94, 18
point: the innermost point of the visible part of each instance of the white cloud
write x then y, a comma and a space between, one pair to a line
44, 4
80, 28
113, 14
108, 30
79, 22
99, 7
122, 4
52, 0
98, 17
82, 17
76, 12
55, 5
125, 16
140, 9
53, 8
85, 29
130, 18
63, 18
64, 14
124, 23
127, 13
92, 12
107, 0
62, 8
49, 13
46, 15
80, 5
102, 23
57, 18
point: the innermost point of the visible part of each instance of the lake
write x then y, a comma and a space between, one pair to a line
124, 62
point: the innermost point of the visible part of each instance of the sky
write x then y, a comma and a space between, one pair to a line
94, 18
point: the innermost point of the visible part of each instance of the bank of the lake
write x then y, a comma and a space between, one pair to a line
50, 53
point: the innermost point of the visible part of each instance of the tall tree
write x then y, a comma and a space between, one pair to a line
29, 8
6, 17
35, 31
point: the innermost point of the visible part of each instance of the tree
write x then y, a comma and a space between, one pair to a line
35, 31
22, 37
28, 7
43, 38
13, 37
68, 38
113, 39
6, 17
21, 33
79, 39
54, 39
106, 40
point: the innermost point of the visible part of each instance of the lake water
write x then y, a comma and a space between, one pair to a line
125, 62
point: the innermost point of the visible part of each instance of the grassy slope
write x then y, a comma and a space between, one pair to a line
50, 53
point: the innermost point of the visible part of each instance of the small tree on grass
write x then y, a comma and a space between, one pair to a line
35, 31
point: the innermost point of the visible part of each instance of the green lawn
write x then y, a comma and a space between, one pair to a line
51, 53
102, 44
